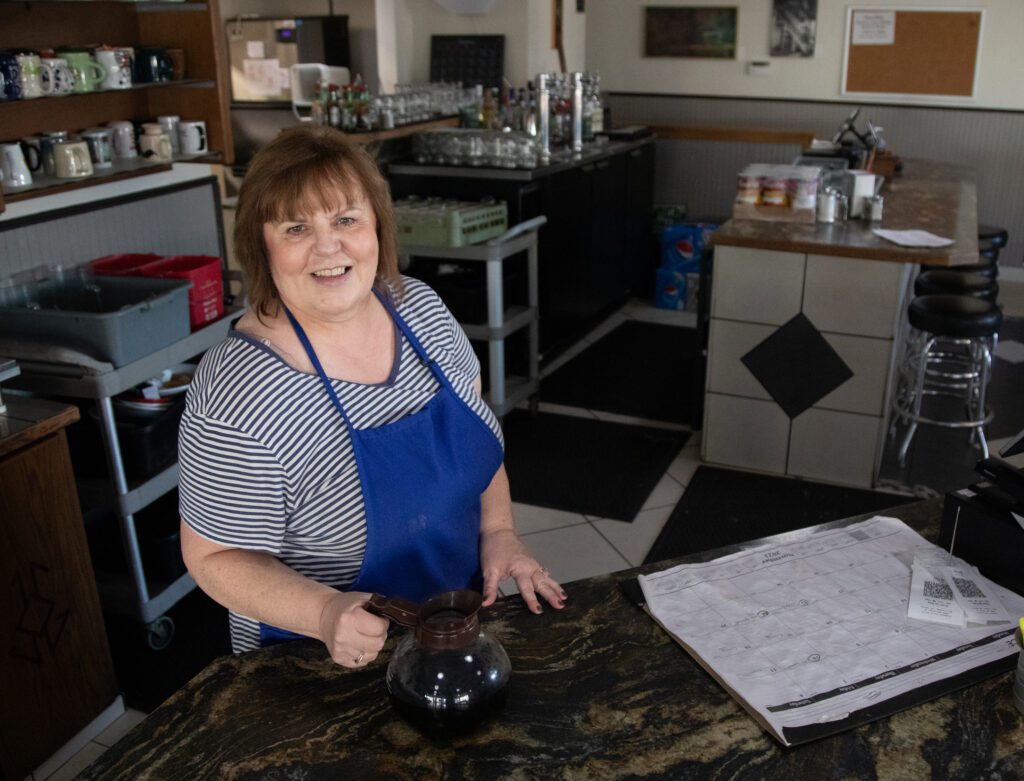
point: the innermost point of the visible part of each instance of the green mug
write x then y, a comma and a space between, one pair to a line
88, 74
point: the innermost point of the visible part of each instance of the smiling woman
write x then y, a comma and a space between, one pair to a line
335, 444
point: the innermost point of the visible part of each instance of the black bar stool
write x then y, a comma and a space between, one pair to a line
993, 233
949, 353
957, 283
988, 269
988, 250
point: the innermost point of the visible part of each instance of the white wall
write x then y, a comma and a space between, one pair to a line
614, 45
526, 25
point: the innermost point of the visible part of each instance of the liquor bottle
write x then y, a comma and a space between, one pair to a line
333, 107
597, 107
530, 110
317, 111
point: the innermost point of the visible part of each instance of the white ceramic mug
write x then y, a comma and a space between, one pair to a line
13, 167
47, 139
155, 144
100, 141
124, 139
71, 160
118, 63
57, 76
170, 123
193, 137
30, 75
30, 147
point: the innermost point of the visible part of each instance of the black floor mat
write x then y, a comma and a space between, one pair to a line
639, 369
725, 507
584, 465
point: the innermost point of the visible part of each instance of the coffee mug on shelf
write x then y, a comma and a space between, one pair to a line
152, 64
88, 73
170, 124
31, 146
47, 141
71, 159
156, 146
124, 139
100, 141
177, 57
192, 134
11, 73
118, 63
30, 75
57, 76
14, 169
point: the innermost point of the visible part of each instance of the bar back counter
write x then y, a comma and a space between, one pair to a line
806, 326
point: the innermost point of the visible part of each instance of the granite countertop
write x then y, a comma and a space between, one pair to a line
936, 197
598, 691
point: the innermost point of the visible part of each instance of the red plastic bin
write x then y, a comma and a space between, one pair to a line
124, 265
206, 297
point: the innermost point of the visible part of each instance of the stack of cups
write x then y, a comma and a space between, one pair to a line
1018, 684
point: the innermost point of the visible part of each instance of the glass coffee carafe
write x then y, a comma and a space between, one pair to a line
447, 676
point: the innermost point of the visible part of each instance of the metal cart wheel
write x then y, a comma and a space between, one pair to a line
160, 633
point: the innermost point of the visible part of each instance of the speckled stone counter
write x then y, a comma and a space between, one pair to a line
936, 197
598, 691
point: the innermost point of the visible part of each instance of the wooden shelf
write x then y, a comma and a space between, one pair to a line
122, 169
193, 27
403, 131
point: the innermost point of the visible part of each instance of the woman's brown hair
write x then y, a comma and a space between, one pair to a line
302, 171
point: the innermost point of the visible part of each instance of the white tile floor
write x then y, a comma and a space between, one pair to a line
570, 545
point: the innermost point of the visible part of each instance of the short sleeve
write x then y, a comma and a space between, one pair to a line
232, 488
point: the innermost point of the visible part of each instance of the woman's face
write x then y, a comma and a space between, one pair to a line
324, 263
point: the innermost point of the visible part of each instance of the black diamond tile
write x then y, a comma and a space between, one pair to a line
797, 366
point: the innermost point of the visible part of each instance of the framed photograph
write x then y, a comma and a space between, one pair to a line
690, 32
794, 28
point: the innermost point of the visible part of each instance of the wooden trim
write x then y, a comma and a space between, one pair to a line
801, 138
402, 132
75, 184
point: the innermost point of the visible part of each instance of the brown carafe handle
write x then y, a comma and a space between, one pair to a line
401, 611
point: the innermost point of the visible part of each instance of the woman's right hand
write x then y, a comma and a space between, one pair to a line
353, 636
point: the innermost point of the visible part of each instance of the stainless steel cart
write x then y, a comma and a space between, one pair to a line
134, 595
505, 392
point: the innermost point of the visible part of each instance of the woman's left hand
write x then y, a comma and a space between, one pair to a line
503, 556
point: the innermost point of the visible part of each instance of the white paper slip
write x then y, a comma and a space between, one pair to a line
912, 238
931, 599
971, 592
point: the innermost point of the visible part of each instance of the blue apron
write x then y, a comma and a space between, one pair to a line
421, 477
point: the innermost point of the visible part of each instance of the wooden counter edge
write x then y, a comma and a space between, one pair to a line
801, 138
43, 417
937, 256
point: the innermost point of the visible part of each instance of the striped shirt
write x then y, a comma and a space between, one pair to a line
266, 460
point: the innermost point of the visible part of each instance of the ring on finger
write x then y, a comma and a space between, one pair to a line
359, 659
543, 572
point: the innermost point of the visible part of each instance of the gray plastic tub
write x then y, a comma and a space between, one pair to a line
115, 319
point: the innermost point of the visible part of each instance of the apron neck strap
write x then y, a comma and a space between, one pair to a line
421, 353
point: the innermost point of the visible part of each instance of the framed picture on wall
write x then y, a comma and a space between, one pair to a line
671, 31
794, 28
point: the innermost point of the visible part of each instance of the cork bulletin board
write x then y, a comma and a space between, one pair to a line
917, 53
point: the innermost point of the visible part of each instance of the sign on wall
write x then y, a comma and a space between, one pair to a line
690, 32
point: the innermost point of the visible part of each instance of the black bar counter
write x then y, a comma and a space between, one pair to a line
598, 690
